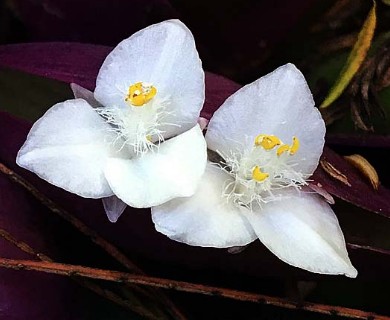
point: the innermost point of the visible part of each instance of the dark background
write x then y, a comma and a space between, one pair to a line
240, 40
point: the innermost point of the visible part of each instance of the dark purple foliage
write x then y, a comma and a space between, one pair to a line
360, 193
134, 233
234, 37
80, 63
31, 295
68, 62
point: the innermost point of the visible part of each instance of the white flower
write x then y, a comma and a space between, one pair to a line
142, 144
270, 137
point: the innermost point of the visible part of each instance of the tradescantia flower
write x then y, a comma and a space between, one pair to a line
270, 137
136, 137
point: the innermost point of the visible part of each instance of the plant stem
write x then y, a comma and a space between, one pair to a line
105, 293
355, 246
77, 223
115, 276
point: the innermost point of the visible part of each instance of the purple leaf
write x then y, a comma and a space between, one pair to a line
80, 63
135, 232
136, 236
67, 62
236, 40
32, 295
360, 192
218, 89
374, 147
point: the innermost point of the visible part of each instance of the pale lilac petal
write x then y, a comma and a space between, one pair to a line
203, 122
80, 92
114, 208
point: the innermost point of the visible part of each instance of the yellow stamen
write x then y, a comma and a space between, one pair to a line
258, 175
291, 149
140, 94
295, 146
268, 142
282, 149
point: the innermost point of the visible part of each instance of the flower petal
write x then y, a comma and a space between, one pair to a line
174, 170
68, 147
280, 104
206, 219
302, 230
80, 92
114, 208
163, 54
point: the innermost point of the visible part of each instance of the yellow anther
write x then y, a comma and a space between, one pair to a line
258, 175
140, 94
268, 142
259, 139
291, 149
295, 146
282, 149
149, 138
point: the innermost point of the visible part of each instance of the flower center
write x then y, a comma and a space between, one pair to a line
268, 166
269, 142
140, 93
140, 128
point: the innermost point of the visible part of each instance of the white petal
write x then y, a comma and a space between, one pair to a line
174, 170
68, 147
280, 104
206, 219
114, 207
302, 230
163, 54
80, 92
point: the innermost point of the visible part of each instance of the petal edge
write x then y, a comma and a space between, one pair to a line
174, 170
302, 230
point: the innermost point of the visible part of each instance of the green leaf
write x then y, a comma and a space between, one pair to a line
355, 59
29, 96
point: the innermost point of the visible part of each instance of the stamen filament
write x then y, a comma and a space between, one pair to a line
259, 171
